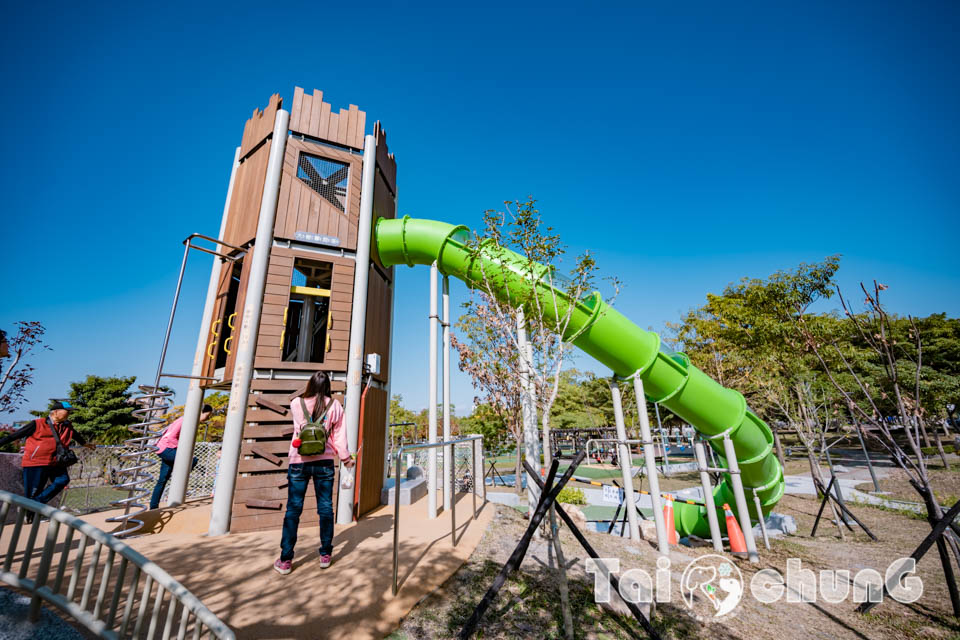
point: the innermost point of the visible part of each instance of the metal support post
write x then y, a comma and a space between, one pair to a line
473, 474
448, 489
663, 442
650, 460
249, 328
623, 452
448, 461
432, 399
708, 501
733, 468
763, 524
358, 325
191, 409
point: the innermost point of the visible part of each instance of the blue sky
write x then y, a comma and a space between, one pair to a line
687, 145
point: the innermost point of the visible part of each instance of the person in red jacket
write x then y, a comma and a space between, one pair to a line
39, 453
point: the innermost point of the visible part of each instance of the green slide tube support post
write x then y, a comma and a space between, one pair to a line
612, 339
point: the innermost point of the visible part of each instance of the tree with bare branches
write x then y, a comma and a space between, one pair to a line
16, 372
898, 393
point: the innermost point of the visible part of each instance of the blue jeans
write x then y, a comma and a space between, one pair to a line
34, 479
167, 458
298, 477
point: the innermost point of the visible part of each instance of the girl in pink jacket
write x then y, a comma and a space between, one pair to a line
319, 468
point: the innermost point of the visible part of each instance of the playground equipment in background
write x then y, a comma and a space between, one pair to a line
565, 443
659, 375
153, 404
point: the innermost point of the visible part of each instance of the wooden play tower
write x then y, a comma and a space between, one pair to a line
309, 289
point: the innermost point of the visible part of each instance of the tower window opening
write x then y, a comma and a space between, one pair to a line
307, 323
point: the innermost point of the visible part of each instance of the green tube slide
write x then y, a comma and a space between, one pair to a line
601, 331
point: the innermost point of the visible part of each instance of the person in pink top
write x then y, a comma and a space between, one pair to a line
167, 450
319, 468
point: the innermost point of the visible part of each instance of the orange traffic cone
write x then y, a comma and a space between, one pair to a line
668, 518
737, 542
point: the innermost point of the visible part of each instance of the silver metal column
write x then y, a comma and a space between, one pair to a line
448, 458
191, 409
623, 452
733, 468
432, 399
249, 328
389, 355
358, 322
708, 501
763, 524
663, 442
650, 460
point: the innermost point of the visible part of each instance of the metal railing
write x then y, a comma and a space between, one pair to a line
94, 604
448, 485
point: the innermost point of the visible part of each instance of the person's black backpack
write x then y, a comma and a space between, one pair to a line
64, 456
313, 436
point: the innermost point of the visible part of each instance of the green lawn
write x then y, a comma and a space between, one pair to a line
87, 499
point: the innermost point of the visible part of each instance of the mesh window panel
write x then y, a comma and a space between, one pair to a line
329, 178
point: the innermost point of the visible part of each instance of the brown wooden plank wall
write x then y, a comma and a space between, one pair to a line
313, 117
260, 125
377, 332
276, 298
245, 202
373, 451
259, 478
233, 334
209, 363
300, 208
248, 183
386, 161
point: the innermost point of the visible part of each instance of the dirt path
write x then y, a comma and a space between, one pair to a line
529, 604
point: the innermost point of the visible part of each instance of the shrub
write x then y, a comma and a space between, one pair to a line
571, 495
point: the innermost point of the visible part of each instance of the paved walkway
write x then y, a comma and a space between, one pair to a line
14, 624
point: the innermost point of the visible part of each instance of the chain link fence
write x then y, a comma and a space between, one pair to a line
92, 479
463, 473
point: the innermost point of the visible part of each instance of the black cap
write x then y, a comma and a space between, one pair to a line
62, 405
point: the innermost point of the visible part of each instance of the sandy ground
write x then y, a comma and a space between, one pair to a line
233, 574
529, 604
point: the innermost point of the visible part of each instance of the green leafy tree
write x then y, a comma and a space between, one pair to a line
212, 429
485, 421
103, 408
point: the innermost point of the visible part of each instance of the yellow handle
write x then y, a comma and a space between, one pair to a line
229, 324
216, 339
283, 334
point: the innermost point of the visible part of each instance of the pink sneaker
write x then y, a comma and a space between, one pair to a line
325, 560
283, 567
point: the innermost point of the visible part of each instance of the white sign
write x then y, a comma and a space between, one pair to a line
316, 238
611, 494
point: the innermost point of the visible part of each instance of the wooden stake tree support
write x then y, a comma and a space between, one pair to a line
548, 495
902, 397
